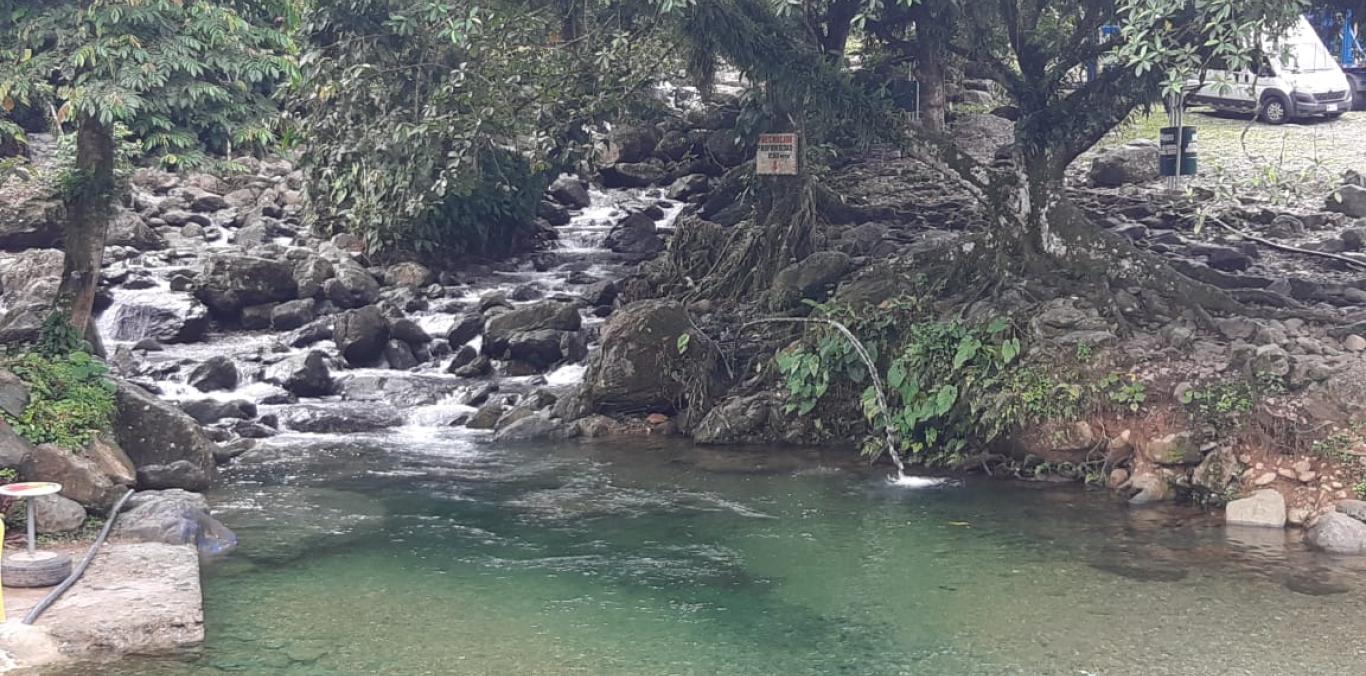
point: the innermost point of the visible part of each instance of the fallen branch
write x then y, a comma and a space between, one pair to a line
1286, 247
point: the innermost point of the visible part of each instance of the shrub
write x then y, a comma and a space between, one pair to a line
71, 399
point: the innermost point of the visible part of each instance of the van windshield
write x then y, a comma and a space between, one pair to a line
1304, 55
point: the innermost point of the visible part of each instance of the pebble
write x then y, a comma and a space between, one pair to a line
1286, 472
1354, 343
1306, 477
1245, 458
1265, 479
1337, 485
1303, 466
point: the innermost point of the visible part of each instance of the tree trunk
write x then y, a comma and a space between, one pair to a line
839, 19
89, 201
934, 100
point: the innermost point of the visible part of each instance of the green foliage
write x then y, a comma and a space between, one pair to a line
59, 338
950, 384
1125, 391
1359, 489
183, 75
1337, 446
1226, 406
71, 399
8, 475
433, 126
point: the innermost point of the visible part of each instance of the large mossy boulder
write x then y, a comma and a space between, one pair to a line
82, 479
646, 367
153, 432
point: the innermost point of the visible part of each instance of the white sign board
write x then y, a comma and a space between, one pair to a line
777, 155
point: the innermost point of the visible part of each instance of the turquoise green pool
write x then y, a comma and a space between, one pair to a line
447, 556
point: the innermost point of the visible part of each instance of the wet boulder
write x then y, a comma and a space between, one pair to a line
182, 322
128, 229
570, 191
688, 186
466, 328
311, 273
229, 283
153, 432
215, 373
634, 143
1134, 162
553, 213
341, 418
631, 175
409, 332
543, 348
303, 375
639, 368
635, 234
551, 315
181, 474
207, 411
352, 287
536, 427
292, 314
361, 334
398, 355
174, 517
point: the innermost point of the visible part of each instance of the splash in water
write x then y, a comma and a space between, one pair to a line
903, 481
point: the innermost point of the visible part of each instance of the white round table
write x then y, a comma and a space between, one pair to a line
29, 490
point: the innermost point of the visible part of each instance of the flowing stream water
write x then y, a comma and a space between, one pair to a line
429, 549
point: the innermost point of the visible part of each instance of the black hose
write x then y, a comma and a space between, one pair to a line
76, 574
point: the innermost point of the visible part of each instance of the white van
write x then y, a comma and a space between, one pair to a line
1298, 78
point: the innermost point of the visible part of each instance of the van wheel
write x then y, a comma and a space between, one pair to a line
1275, 109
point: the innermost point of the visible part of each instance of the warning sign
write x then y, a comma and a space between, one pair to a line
777, 155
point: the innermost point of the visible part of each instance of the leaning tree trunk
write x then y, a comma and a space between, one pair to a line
89, 201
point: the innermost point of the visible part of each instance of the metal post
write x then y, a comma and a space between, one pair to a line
32, 527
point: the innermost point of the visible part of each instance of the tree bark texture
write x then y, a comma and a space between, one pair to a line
89, 202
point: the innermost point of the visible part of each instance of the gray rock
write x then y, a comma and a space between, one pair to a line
1271, 360
292, 315
534, 317
634, 143
57, 514
635, 234
638, 367
409, 274
1177, 448
398, 355
466, 328
352, 287
1338, 533
408, 331
631, 175
14, 449
1131, 163
311, 273
135, 321
153, 432
303, 375
215, 373
81, 478
229, 283
174, 517
341, 418
1350, 200
811, 278
535, 427
688, 186
128, 229
30, 224
361, 335
179, 474
207, 411
14, 394
1265, 508
486, 417
1353, 508
570, 191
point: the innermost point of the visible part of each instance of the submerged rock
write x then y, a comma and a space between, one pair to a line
215, 373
